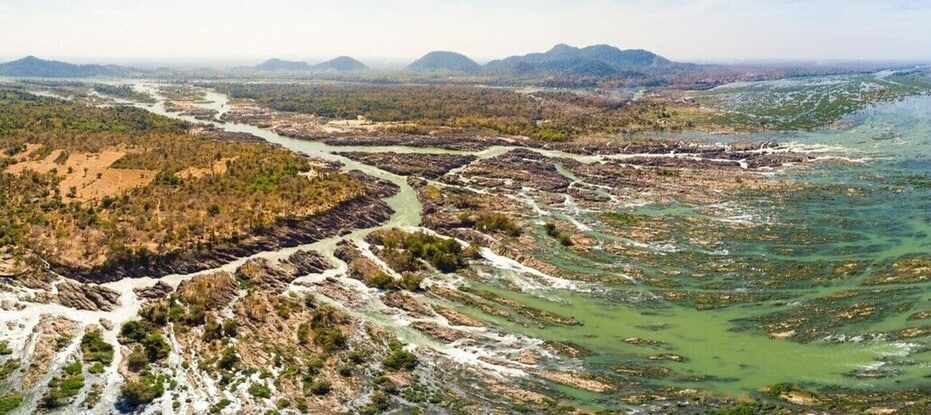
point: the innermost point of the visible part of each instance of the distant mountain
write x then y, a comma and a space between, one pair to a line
282, 65
596, 60
32, 66
342, 63
445, 61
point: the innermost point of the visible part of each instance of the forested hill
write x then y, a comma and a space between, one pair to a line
445, 61
32, 66
596, 60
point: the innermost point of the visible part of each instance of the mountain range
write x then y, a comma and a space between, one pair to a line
561, 60
32, 66
596, 60
342, 63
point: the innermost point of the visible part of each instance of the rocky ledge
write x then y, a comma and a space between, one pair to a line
430, 166
449, 142
81, 296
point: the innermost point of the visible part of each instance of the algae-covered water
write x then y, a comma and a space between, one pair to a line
788, 273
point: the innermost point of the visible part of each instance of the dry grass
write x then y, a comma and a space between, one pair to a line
87, 176
43, 166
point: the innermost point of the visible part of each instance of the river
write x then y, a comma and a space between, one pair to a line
856, 210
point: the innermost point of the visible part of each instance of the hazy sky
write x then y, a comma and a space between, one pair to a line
243, 30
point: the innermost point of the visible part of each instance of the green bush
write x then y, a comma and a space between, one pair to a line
65, 387
443, 254
95, 349
382, 281
329, 338
136, 393
321, 387
260, 390
399, 358
228, 358
134, 332
156, 347
411, 282
212, 331
137, 360
96, 368
229, 328
7, 368
497, 222
9, 402
745, 408
553, 232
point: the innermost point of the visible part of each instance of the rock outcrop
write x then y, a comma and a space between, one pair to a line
156, 292
90, 297
308, 262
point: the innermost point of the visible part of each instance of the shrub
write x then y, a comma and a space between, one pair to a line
382, 281
137, 360
97, 368
212, 331
229, 328
220, 405
411, 282
321, 387
399, 358
134, 332
303, 333
156, 347
157, 314
329, 338
9, 402
228, 358
260, 390
95, 349
497, 222
141, 392
65, 387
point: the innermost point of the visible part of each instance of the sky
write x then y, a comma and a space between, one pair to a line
125, 31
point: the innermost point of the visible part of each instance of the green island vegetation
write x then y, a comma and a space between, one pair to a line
545, 115
123, 91
149, 349
406, 251
105, 185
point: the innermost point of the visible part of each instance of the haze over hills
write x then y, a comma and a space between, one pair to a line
445, 61
32, 66
275, 64
342, 63
595, 60
562, 65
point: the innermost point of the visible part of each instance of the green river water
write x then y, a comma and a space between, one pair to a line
873, 212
